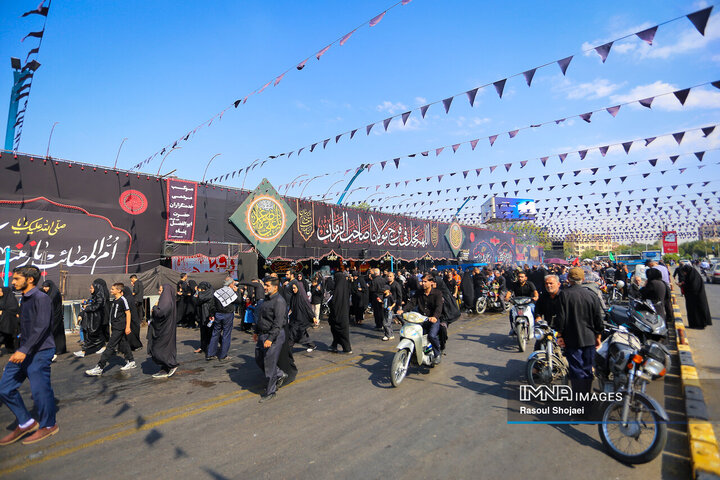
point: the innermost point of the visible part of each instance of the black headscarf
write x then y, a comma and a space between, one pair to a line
302, 311
58, 316
340, 304
55, 298
9, 321
99, 284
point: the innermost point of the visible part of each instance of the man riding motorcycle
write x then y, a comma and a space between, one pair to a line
522, 288
429, 302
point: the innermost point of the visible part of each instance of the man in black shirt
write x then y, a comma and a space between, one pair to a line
270, 336
429, 302
378, 285
396, 290
548, 305
579, 326
138, 296
182, 288
522, 288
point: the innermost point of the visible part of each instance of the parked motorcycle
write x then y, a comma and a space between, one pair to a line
522, 319
489, 299
641, 318
414, 347
547, 365
612, 292
634, 428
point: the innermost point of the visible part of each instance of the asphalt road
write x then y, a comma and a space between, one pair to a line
706, 354
341, 418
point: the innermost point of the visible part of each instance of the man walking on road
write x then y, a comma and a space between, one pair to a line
222, 312
31, 361
579, 327
270, 336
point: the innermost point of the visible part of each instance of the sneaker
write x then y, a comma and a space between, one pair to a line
437, 360
266, 398
41, 434
18, 433
53, 359
391, 337
96, 371
281, 380
207, 359
79, 353
348, 352
129, 365
101, 351
160, 374
172, 371
311, 348
385, 338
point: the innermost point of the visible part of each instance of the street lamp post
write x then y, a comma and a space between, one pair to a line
246, 172
166, 155
208, 165
118, 154
287, 187
328, 190
308, 183
47, 152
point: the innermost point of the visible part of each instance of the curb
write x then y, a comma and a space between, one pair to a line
704, 451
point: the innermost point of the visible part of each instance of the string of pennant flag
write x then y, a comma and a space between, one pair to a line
274, 82
699, 20
24, 83
582, 153
681, 95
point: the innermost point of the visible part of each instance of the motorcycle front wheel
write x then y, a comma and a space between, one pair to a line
538, 372
481, 305
520, 334
399, 366
641, 439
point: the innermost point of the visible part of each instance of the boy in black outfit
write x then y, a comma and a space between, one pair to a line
120, 325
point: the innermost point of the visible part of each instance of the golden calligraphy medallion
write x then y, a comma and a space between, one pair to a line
266, 218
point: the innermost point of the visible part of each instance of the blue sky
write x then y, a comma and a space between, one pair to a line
153, 71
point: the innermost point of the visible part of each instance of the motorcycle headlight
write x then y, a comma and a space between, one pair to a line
654, 368
538, 333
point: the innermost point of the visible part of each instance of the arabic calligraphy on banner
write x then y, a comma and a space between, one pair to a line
202, 263
181, 205
76, 242
38, 225
366, 228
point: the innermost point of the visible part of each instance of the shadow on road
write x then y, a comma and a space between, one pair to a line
496, 341
246, 375
378, 365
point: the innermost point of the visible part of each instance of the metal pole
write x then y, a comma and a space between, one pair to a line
6, 277
328, 190
118, 154
246, 172
287, 187
12, 111
308, 183
359, 171
47, 152
208, 164
166, 155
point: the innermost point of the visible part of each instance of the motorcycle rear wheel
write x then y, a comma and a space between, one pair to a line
521, 338
622, 442
399, 367
537, 374
481, 305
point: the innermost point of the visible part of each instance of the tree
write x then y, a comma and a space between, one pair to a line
701, 248
361, 206
591, 253
671, 257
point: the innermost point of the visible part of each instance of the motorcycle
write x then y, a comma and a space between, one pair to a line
489, 298
547, 365
522, 318
633, 428
641, 318
612, 292
414, 347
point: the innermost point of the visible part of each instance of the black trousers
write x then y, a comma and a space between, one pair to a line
8, 339
378, 313
118, 342
267, 359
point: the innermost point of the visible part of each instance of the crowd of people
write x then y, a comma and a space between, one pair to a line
281, 313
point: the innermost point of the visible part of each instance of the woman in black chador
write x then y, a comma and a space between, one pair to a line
301, 316
693, 287
93, 319
162, 331
134, 338
658, 293
105, 330
340, 314
58, 316
9, 320
468, 290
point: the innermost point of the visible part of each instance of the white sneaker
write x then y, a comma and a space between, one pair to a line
99, 352
128, 366
160, 374
385, 338
53, 359
172, 371
96, 371
79, 353
391, 337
